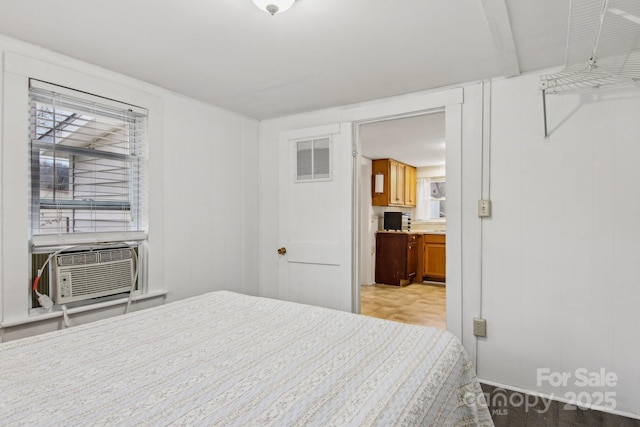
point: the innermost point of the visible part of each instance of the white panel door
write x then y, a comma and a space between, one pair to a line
315, 216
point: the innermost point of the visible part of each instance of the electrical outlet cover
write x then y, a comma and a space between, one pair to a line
484, 208
480, 327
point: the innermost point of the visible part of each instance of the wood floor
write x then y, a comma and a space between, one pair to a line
417, 303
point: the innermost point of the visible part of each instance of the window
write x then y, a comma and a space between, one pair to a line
313, 160
431, 199
88, 158
437, 203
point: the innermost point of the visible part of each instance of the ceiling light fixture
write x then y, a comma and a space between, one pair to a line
273, 6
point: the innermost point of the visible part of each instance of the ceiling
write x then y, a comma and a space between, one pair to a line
418, 140
318, 54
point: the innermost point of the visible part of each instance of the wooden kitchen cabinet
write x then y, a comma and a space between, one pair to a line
410, 186
396, 257
399, 187
434, 263
396, 183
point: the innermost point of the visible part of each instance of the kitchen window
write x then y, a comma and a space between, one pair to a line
438, 200
431, 199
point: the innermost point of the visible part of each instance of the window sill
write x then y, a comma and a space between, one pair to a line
40, 316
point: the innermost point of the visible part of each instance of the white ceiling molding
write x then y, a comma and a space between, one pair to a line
498, 19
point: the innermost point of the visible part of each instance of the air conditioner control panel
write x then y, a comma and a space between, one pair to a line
64, 281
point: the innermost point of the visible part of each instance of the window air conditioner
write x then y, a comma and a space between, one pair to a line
84, 275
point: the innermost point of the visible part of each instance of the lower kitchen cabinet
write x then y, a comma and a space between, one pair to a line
396, 257
434, 264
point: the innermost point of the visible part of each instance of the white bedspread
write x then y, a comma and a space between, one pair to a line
230, 359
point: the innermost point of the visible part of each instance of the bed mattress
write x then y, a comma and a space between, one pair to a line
229, 359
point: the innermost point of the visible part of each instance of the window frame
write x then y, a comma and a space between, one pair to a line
137, 185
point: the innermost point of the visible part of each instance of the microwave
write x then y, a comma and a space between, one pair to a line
397, 221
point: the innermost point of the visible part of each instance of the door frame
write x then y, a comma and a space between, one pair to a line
453, 132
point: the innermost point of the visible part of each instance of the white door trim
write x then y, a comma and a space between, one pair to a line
453, 126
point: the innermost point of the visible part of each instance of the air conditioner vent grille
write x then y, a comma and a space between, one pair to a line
100, 278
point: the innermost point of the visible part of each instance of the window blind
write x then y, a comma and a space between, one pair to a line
88, 163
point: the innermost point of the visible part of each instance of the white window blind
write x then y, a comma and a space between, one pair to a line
313, 160
88, 158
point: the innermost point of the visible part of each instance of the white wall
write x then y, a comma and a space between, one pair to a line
561, 253
202, 186
211, 200
431, 172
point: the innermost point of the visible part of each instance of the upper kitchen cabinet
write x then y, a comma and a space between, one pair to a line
394, 183
410, 186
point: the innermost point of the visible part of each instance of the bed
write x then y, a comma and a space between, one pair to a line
225, 358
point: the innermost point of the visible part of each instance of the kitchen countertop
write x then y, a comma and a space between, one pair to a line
413, 232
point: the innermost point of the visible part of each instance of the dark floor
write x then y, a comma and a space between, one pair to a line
556, 414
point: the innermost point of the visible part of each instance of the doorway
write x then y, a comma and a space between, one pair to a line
417, 141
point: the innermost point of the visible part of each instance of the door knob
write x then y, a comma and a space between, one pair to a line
282, 251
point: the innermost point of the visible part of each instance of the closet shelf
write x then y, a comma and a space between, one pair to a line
603, 47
